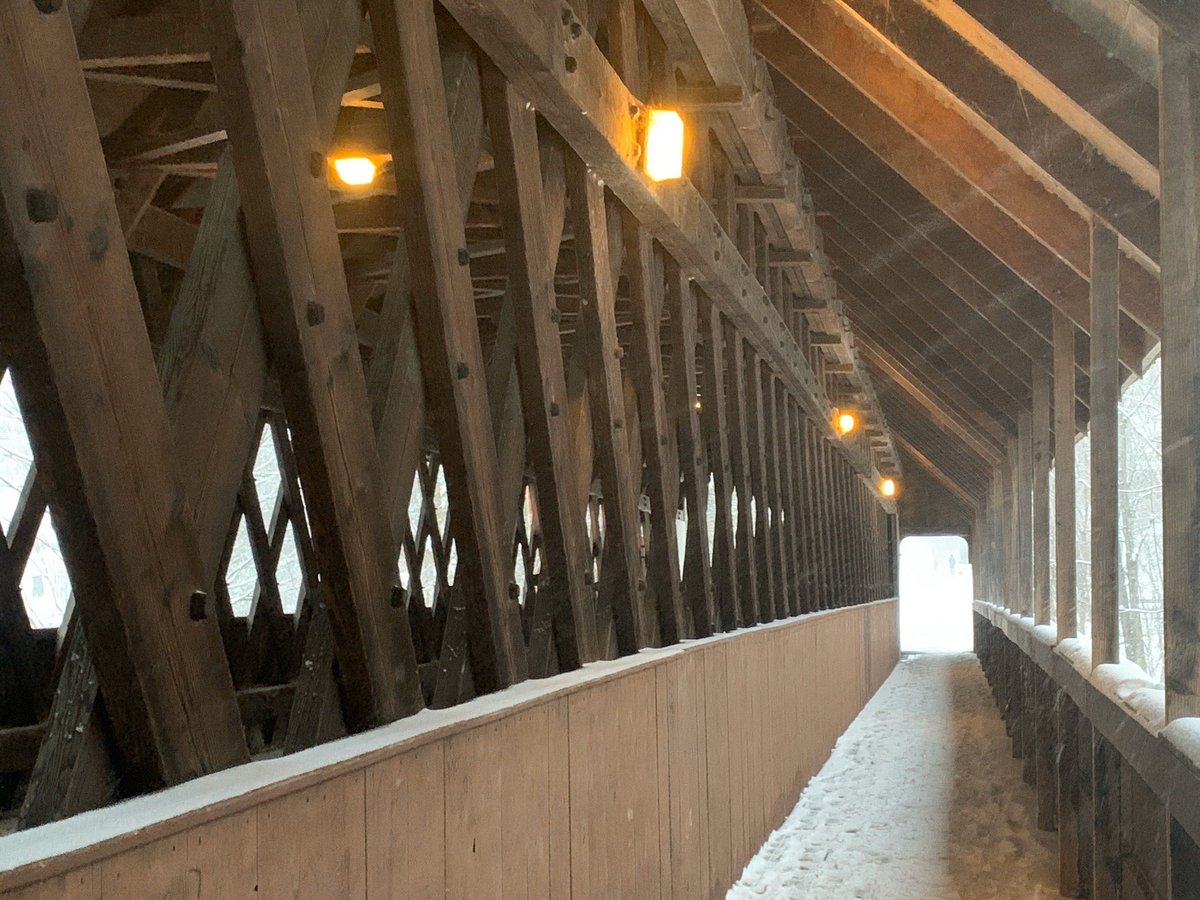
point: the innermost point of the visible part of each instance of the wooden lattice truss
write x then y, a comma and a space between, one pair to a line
319, 457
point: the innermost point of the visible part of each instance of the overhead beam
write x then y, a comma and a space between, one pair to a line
872, 91
1032, 114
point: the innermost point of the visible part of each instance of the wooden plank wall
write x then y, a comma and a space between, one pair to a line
658, 779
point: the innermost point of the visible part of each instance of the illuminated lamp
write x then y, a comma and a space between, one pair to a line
846, 422
664, 145
355, 171
888, 487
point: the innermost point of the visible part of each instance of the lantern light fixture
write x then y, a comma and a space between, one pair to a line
845, 422
355, 171
888, 487
663, 153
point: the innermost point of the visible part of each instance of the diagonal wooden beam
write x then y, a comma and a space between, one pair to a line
661, 475
715, 419
90, 398
697, 573
452, 360
531, 260
622, 586
1008, 238
306, 311
1031, 113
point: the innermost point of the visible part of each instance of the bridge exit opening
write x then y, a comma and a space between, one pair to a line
936, 590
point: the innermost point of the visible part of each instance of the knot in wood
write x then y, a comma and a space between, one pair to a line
41, 205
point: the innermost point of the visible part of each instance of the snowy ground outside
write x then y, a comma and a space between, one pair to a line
920, 800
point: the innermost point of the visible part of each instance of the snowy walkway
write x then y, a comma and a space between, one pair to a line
921, 799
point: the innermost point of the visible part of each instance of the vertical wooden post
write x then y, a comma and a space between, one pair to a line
1041, 495
1046, 727
1105, 387
1106, 809
1064, 476
1068, 779
1023, 497
697, 575
661, 477
1179, 130
748, 589
725, 564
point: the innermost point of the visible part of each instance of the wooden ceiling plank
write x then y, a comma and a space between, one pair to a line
933, 469
941, 315
945, 449
1024, 322
1041, 238
306, 312
1032, 114
869, 302
877, 344
937, 409
975, 213
1028, 37
90, 398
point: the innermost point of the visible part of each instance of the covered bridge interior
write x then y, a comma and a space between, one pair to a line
462, 448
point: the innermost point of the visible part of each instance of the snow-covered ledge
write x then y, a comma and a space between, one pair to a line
1125, 704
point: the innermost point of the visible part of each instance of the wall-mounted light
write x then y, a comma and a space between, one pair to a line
355, 171
663, 156
845, 422
887, 487
698, 404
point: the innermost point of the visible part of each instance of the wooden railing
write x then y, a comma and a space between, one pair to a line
1120, 788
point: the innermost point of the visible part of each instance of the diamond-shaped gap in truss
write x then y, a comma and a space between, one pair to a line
283, 516
427, 549
44, 585
241, 574
681, 532
710, 517
16, 456
733, 512
523, 549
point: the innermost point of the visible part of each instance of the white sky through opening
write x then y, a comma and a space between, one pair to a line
935, 594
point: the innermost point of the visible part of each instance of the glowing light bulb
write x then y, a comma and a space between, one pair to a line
664, 145
698, 404
355, 171
846, 423
888, 487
